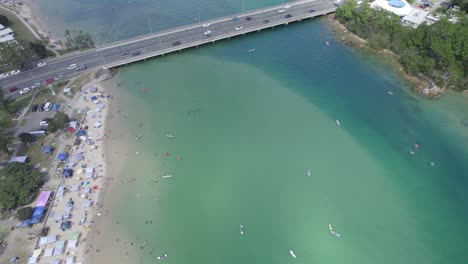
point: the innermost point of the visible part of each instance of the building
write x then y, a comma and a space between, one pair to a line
400, 8
6, 34
415, 18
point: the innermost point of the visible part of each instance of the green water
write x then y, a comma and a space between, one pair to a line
247, 127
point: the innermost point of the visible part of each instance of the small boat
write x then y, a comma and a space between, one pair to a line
390, 93
330, 227
162, 257
412, 152
328, 43
292, 253
338, 122
170, 136
138, 136
335, 233
308, 172
251, 50
432, 164
241, 229
167, 176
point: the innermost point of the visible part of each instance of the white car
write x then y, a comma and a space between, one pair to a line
15, 72
281, 11
208, 32
206, 25
43, 124
239, 27
4, 75
36, 85
41, 64
25, 90
287, 6
72, 66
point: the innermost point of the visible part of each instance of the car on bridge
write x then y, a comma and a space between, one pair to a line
266, 21
25, 90
206, 25
4, 75
13, 89
248, 18
176, 43
125, 53
288, 16
41, 64
136, 53
208, 32
235, 19
311, 11
239, 27
287, 6
281, 11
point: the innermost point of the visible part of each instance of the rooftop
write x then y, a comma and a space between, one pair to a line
398, 7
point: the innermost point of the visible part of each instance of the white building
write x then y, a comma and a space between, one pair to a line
415, 18
6, 34
399, 7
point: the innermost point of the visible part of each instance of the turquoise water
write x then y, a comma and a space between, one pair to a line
247, 126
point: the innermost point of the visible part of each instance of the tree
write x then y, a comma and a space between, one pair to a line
26, 138
4, 21
24, 213
18, 181
60, 121
4, 141
39, 49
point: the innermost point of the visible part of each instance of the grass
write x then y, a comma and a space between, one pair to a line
22, 33
34, 151
6, 120
77, 83
44, 94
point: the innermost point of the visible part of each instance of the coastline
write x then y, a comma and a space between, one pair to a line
421, 85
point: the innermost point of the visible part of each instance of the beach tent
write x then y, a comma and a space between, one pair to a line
58, 251
37, 214
65, 226
87, 203
62, 156
58, 218
70, 260
79, 157
81, 132
32, 260
37, 252
51, 239
42, 241
94, 98
48, 252
87, 190
55, 262
75, 235
97, 124
90, 169
93, 89
72, 243
60, 191
67, 173
43, 198
48, 149
80, 151
68, 209
75, 187
80, 171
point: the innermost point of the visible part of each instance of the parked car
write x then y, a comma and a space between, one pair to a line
206, 25
25, 90
13, 89
175, 43
15, 72
287, 6
41, 108
56, 107
34, 108
43, 124
41, 64
4, 75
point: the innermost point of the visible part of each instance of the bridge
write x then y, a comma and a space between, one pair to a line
173, 40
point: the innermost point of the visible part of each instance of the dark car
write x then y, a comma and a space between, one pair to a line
235, 18
266, 21
248, 18
80, 67
34, 108
13, 89
135, 53
125, 53
175, 43
41, 108
312, 11
288, 16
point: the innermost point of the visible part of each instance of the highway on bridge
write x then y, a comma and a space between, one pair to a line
160, 43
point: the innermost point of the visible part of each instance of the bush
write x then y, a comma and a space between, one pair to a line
26, 138
24, 213
60, 121
4, 21
39, 49
18, 182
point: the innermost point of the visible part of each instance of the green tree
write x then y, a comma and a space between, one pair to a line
60, 121
24, 213
26, 138
4, 21
39, 49
18, 182
4, 141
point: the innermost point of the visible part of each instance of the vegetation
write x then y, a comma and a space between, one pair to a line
4, 141
4, 21
463, 4
26, 138
438, 51
18, 182
78, 40
39, 49
59, 122
24, 213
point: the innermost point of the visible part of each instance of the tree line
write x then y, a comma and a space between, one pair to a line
439, 51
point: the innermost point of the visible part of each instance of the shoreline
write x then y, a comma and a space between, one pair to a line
419, 84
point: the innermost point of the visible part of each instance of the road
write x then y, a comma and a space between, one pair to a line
118, 53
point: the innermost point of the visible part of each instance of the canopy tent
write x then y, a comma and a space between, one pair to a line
72, 124
80, 150
60, 191
75, 188
59, 218
94, 98
75, 235
55, 262
87, 203
93, 89
71, 164
37, 214
70, 260
85, 183
90, 169
51, 239
62, 156
80, 171
32, 260
48, 149
43, 198
37, 252
86, 190
67, 173
42, 241
79, 157
48, 252
68, 209
72, 243
58, 251
65, 226
101, 105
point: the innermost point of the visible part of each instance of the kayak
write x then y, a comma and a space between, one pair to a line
292, 253
338, 122
308, 172
138, 136
241, 229
335, 233
166, 176
169, 135
330, 227
162, 257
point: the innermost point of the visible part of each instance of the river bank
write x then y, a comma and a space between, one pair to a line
420, 84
